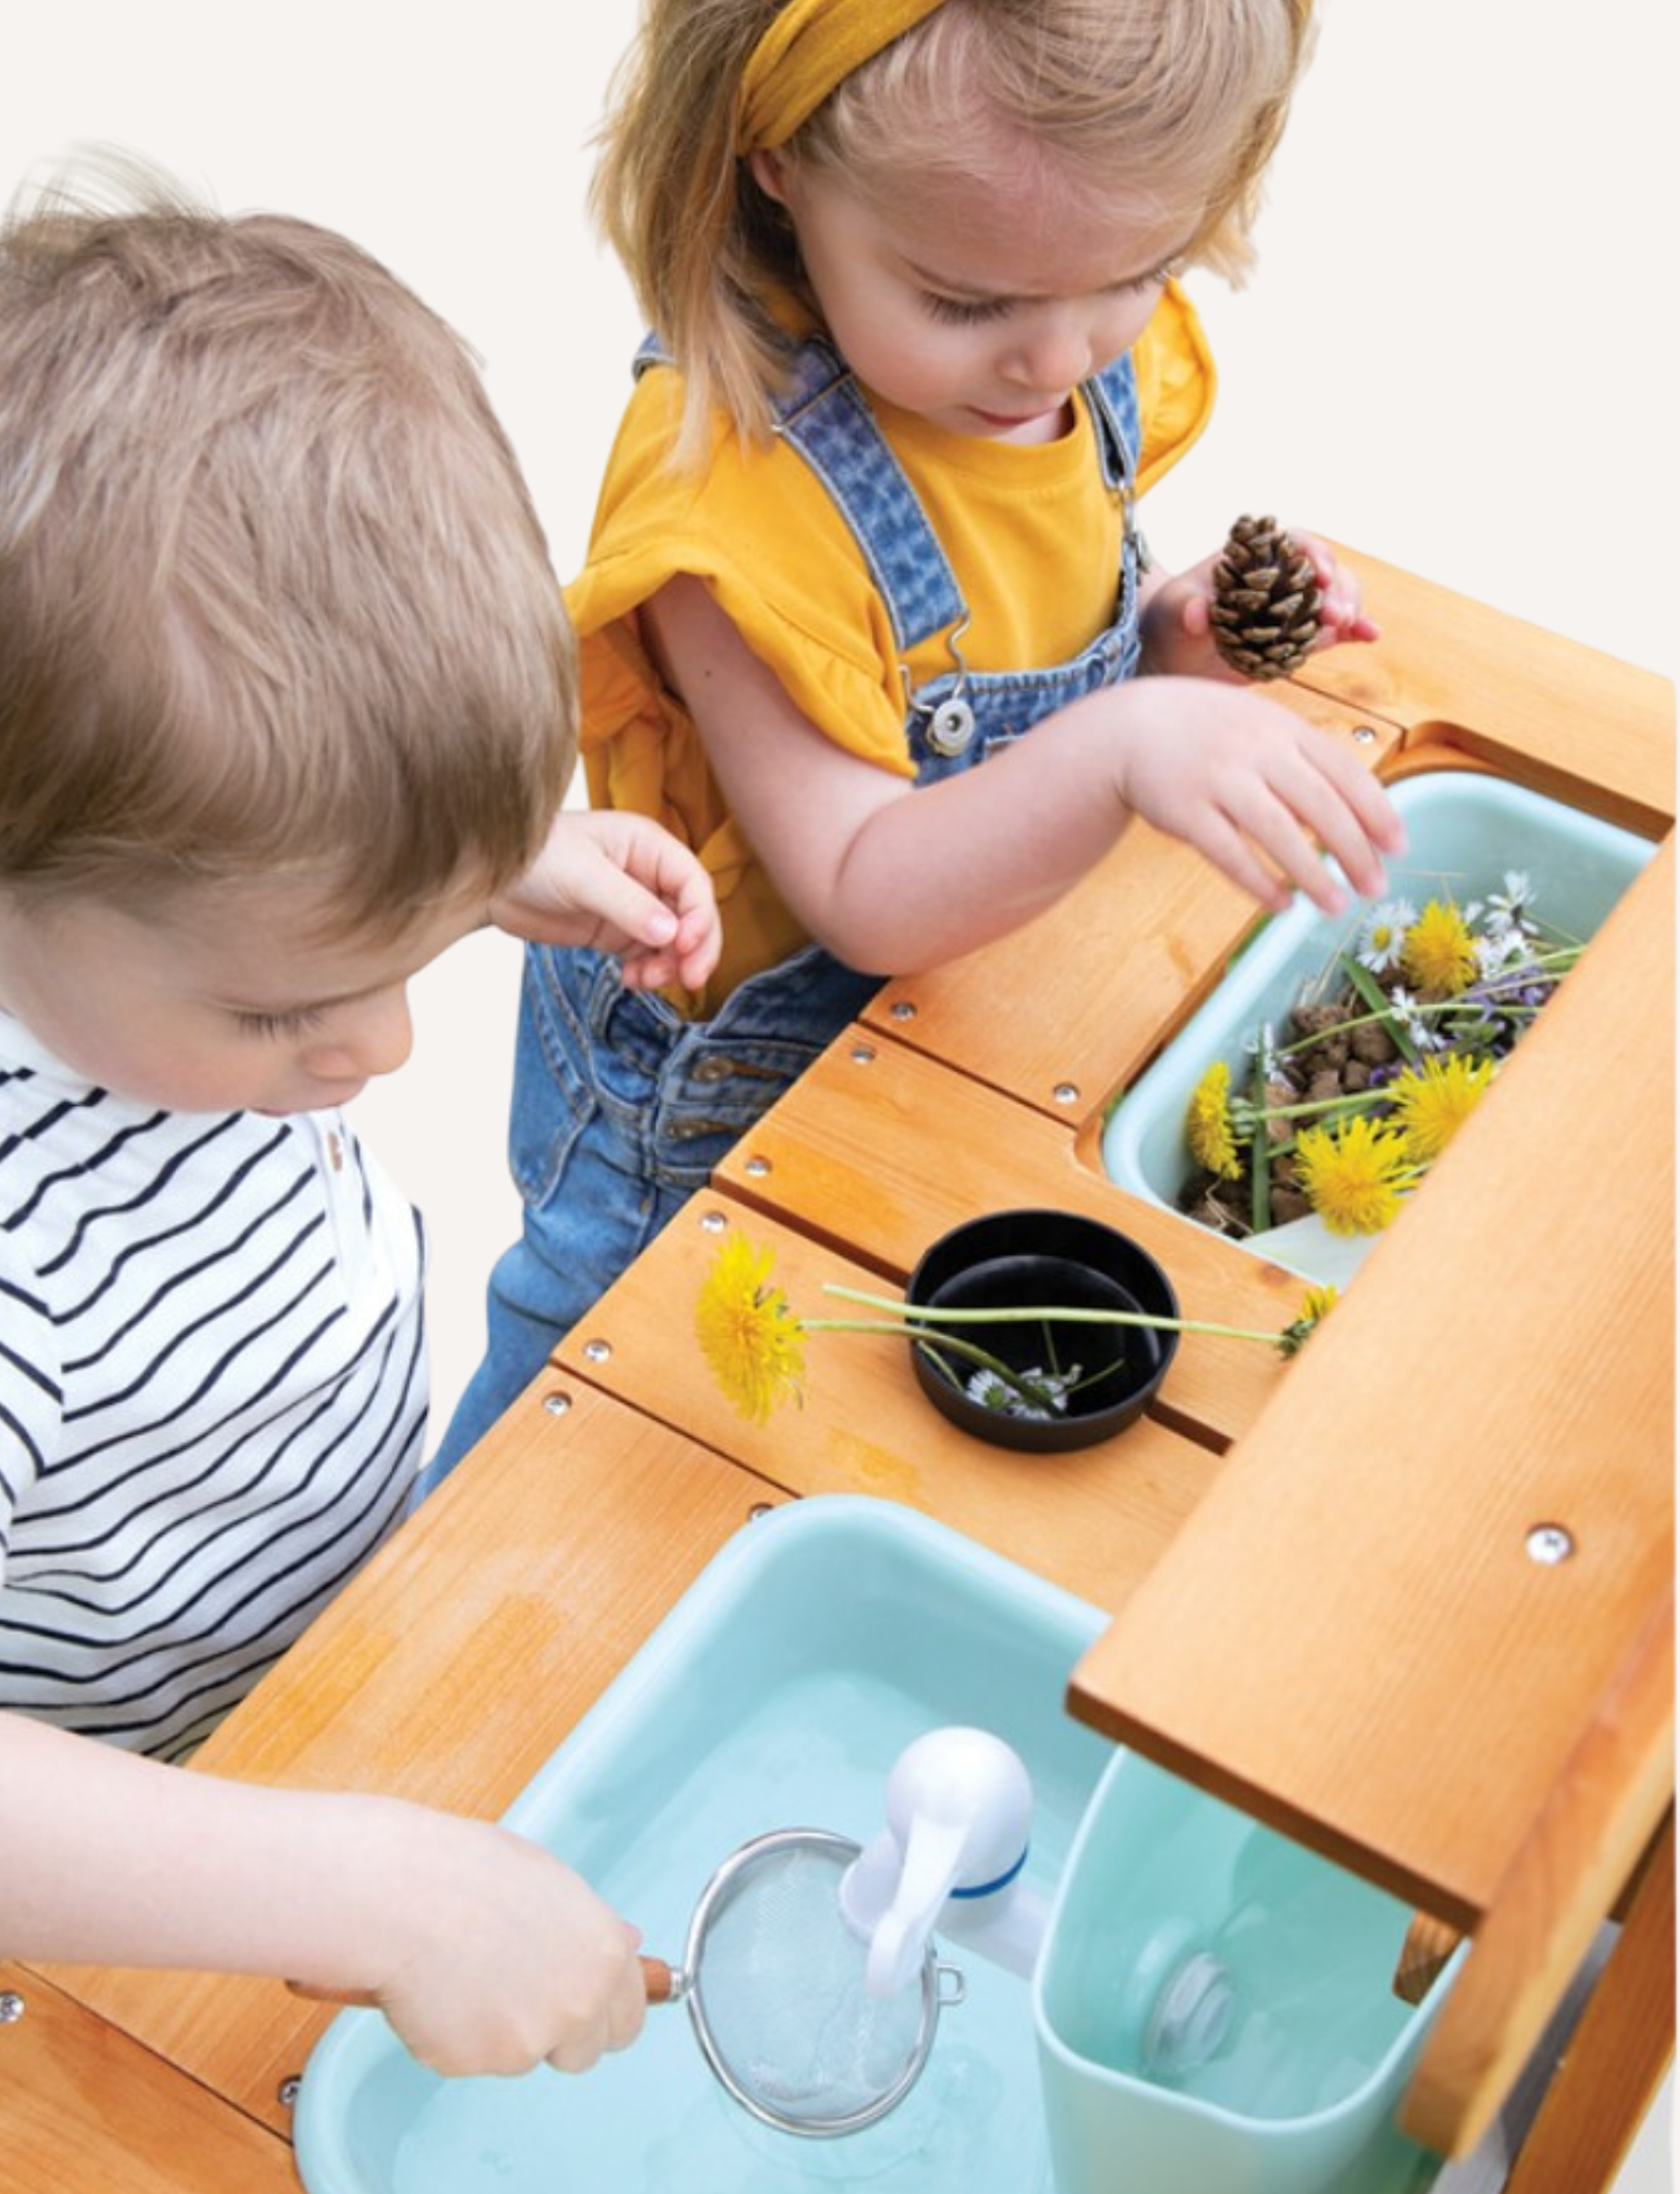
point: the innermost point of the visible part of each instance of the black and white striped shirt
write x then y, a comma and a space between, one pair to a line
212, 1395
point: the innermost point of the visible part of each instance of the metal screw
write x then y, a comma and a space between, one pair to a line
863, 1055
1067, 1093
556, 1406
1366, 735
902, 1010
756, 1169
598, 1352
760, 1508
289, 2089
12, 2007
712, 1222
1551, 1543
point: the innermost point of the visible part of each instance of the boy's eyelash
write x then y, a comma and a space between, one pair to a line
298, 1023
964, 311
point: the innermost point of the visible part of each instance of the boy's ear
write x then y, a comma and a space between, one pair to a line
769, 173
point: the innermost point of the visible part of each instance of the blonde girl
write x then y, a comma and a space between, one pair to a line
868, 523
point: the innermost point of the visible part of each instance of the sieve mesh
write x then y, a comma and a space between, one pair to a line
778, 1992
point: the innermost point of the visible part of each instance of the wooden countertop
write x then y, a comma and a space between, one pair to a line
1323, 1602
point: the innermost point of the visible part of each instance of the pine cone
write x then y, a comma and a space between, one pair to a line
1265, 608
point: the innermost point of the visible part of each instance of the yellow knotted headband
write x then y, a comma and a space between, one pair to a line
809, 51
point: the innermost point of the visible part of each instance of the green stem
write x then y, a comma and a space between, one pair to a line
1260, 1162
954, 1343
912, 1317
1246, 1116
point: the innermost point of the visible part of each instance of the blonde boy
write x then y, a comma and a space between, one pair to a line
286, 708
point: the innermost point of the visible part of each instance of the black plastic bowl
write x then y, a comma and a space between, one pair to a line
1020, 1259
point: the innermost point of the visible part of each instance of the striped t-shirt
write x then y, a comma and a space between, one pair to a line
212, 1395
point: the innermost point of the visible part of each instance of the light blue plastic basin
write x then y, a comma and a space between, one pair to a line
776, 1694
1464, 831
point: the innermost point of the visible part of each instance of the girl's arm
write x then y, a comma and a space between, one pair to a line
487, 1954
894, 879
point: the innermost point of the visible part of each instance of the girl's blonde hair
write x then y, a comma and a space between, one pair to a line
273, 595
1182, 100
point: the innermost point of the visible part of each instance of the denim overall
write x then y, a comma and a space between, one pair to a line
622, 1109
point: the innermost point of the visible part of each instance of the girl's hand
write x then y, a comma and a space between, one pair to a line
624, 885
1256, 789
1178, 632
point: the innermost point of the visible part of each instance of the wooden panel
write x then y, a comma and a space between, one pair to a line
1552, 714
877, 1150
1072, 1007
85, 2110
449, 1672
1377, 1667
1092, 1521
1617, 2056
1531, 1943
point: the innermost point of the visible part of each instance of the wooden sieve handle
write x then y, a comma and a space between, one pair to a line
663, 1984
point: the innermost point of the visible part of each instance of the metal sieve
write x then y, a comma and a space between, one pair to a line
774, 1981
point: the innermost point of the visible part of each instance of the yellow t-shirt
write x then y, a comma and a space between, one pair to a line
1032, 533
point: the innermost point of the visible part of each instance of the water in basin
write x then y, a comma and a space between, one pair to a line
777, 1694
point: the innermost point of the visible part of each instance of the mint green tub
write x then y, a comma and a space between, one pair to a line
777, 1693
1464, 830
1173, 1901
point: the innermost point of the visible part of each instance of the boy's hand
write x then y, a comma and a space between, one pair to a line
1178, 632
1257, 789
513, 1959
624, 885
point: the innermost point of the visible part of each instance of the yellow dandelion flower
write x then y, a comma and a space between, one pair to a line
1439, 953
1315, 1307
1433, 1101
1207, 1127
748, 1334
1353, 1174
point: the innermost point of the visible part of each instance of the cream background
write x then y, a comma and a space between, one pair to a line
1455, 354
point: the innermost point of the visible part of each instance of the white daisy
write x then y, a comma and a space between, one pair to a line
1408, 1012
1382, 935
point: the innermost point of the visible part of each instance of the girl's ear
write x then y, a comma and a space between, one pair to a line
769, 173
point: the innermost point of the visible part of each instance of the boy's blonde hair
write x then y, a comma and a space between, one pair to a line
1179, 101
273, 595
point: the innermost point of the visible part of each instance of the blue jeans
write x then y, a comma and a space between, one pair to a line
622, 1109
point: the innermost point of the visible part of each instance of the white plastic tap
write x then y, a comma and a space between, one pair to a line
958, 1812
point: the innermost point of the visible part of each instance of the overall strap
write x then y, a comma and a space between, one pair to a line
1112, 397
824, 416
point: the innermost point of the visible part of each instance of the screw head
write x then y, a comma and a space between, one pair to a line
598, 1352
902, 1010
1365, 735
756, 1169
1067, 1093
760, 1508
556, 1406
863, 1055
1551, 1543
12, 2007
289, 2089
712, 1222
